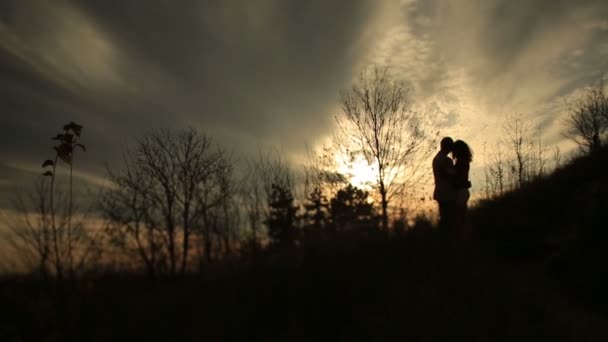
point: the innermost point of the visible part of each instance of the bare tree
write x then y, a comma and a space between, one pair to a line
517, 140
487, 177
496, 171
539, 160
251, 196
40, 245
516, 158
216, 227
161, 196
30, 228
587, 120
126, 208
557, 157
379, 123
265, 173
228, 207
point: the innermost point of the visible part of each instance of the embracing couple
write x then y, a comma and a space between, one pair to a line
452, 185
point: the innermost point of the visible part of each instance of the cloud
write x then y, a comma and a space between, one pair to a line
485, 59
59, 43
269, 71
247, 73
473, 62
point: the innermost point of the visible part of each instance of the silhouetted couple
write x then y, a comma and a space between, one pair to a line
452, 186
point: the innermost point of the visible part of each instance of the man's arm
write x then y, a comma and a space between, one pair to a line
448, 168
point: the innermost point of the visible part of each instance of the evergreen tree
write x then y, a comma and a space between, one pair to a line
282, 215
316, 207
350, 209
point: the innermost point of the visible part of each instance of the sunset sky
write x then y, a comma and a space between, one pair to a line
269, 72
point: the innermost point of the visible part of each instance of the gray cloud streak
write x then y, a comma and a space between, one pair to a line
269, 71
245, 72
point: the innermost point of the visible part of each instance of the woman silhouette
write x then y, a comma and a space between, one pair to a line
463, 156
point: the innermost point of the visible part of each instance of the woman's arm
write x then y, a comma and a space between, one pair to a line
461, 177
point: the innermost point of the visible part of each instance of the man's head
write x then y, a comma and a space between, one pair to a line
446, 144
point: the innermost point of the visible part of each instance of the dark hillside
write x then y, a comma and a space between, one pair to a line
408, 289
558, 224
534, 272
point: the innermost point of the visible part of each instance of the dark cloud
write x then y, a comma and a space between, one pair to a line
255, 67
248, 73
270, 71
12, 180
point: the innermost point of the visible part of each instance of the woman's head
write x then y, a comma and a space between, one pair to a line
461, 151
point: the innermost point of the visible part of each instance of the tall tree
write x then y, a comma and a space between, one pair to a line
162, 194
378, 121
60, 236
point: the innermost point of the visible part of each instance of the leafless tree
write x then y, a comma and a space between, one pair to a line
587, 120
517, 141
252, 199
557, 157
538, 159
495, 170
38, 244
219, 216
30, 228
263, 172
516, 158
126, 208
162, 196
379, 123
228, 207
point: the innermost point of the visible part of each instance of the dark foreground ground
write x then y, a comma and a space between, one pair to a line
535, 270
415, 288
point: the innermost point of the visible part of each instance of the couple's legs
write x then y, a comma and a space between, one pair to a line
461, 226
453, 220
447, 217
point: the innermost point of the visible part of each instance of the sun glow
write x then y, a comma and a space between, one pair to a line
357, 171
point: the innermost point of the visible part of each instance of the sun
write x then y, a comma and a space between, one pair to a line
357, 171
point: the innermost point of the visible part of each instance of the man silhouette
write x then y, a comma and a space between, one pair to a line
445, 193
